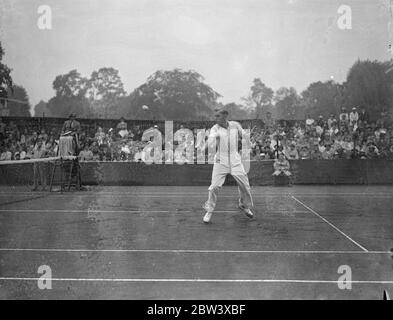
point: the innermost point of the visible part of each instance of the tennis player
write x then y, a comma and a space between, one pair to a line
227, 160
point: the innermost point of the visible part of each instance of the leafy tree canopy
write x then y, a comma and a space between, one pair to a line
18, 104
177, 95
5, 76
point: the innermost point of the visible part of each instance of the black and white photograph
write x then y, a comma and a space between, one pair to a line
196, 155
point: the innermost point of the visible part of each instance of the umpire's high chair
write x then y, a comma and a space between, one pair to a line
67, 168
66, 173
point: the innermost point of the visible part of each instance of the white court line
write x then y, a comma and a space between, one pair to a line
131, 211
199, 280
191, 192
136, 191
94, 211
193, 195
330, 224
150, 196
105, 211
194, 251
139, 195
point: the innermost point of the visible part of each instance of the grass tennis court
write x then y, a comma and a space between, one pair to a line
150, 243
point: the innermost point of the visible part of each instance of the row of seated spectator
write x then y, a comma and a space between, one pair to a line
348, 135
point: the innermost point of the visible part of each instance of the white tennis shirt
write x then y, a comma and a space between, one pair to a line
227, 143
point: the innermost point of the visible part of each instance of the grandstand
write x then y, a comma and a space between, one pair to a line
158, 233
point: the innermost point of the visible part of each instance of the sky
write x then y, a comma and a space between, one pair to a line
229, 42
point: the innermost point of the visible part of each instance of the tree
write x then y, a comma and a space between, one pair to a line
70, 84
369, 83
5, 77
322, 98
70, 89
105, 89
176, 95
260, 98
125, 107
18, 103
238, 111
61, 106
288, 104
41, 109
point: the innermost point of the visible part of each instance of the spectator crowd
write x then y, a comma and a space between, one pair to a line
348, 135
117, 144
